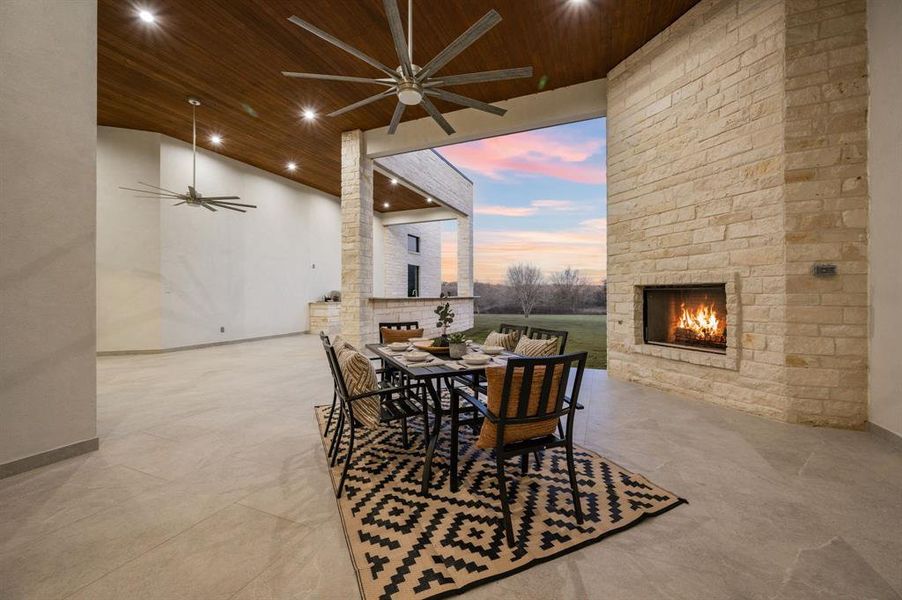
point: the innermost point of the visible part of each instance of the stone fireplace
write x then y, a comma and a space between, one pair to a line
737, 168
693, 317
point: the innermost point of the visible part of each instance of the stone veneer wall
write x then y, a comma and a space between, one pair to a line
826, 214
421, 311
733, 153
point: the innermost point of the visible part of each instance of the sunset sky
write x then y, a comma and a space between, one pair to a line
540, 198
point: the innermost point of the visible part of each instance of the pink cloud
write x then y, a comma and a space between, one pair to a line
558, 205
535, 207
504, 211
531, 153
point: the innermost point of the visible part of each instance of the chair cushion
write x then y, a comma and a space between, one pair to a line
339, 342
360, 377
534, 348
508, 341
399, 335
488, 435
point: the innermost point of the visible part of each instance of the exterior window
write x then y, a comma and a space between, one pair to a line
413, 281
413, 243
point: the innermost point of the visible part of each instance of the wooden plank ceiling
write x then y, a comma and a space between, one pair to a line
229, 53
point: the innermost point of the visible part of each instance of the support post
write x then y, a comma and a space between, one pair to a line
356, 240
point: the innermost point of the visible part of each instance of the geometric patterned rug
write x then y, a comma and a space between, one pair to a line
404, 545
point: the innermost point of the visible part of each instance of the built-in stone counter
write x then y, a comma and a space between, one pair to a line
324, 316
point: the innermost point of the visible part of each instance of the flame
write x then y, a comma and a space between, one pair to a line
703, 321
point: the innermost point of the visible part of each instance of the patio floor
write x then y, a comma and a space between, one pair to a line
211, 483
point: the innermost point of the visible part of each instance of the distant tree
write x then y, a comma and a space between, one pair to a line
526, 284
568, 289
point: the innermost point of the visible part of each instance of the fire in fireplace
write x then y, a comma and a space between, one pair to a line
687, 316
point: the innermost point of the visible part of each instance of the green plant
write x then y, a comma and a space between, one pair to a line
444, 320
457, 338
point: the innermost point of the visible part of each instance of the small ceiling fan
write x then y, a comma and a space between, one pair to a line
193, 197
413, 84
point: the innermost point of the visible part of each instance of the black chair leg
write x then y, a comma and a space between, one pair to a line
455, 426
502, 493
331, 412
344, 472
524, 464
404, 439
538, 458
337, 441
560, 429
571, 470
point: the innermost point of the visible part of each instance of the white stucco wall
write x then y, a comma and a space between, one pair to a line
48, 128
129, 301
885, 183
253, 274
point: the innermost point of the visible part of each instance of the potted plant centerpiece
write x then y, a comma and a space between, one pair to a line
444, 320
457, 345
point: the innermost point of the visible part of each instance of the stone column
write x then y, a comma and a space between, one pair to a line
356, 239
464, 256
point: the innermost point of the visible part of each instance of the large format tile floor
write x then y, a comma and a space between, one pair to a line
211, 483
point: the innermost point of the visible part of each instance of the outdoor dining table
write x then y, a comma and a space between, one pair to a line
431, 373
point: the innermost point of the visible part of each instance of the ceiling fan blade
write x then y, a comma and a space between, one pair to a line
206, 198
396, 118
436, 115
397, 34
180, 203
158, 188
388, 82
221, 203
173, 194
340, 44
476, 31
482, 76
207, 206
363, 102
464, 101
229, 207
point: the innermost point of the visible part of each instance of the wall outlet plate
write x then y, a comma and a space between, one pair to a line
823, 270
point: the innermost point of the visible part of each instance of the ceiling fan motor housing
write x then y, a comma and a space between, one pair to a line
410, 93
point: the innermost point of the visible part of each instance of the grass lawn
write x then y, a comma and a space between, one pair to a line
587, 332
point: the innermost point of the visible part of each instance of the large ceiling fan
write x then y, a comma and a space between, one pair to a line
193, 197
413, 84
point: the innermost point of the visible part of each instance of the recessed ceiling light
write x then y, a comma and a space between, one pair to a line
429, 200
385, 205
146, 16
291, 166
394, 181
216, 139
309, 114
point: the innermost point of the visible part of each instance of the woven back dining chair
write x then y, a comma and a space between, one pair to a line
524, 417
397, 402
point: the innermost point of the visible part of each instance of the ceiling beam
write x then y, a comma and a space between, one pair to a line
421, 215
578, 102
